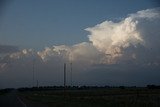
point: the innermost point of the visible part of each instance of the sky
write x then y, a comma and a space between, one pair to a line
37, 24
108, 42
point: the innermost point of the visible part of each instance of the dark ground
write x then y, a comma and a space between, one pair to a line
12, 99
111, 97
105, 97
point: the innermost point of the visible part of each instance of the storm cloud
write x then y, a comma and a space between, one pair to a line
115, 52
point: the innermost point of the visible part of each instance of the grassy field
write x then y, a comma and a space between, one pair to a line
111, 97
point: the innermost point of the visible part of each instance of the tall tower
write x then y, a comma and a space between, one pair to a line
71, 73
64, 75
33, 68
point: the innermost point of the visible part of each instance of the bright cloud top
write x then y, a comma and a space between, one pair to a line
113, 38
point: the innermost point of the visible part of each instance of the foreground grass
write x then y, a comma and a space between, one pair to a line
96, 98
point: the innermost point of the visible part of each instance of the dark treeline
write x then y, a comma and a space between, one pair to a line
61, 88
43, 88
153, 86
3, 91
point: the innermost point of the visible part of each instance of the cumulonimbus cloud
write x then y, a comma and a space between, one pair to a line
135, 39
137, 29
110, 42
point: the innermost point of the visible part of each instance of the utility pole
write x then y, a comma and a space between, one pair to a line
64, 75
71, 73
33, 68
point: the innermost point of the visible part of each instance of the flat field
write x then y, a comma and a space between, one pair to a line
111, 97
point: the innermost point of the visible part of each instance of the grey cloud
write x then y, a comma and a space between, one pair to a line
8, 49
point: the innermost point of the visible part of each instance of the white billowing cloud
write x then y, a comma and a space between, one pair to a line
54, 52
85, 52
113, 38
23, 53
110, 42
148, 14
109, 37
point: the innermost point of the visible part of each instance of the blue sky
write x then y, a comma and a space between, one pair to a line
40, 23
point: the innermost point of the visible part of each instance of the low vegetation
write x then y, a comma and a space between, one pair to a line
95, 97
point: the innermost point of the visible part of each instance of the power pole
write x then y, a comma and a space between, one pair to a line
64, 75
33, 68
71, 73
